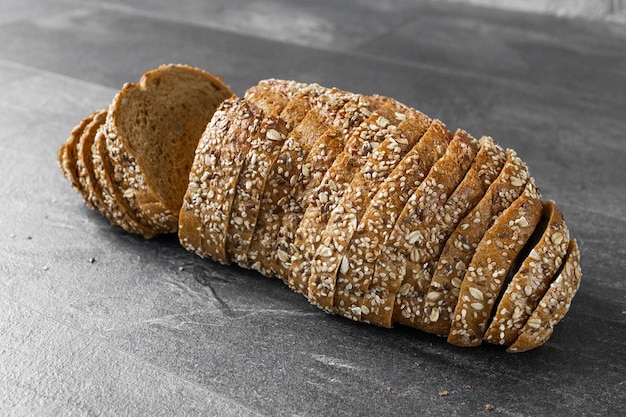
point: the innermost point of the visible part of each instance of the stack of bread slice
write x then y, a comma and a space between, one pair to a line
369, 208
131, 160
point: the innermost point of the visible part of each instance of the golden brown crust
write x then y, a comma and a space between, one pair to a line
424, 257
346, 217
67, 153
490, 265
412, 229
250, 185
531, 280
214, 174
553, 305
309, 112
381, 214
461, 245
362, 141
115, 209
84, 163
321, 157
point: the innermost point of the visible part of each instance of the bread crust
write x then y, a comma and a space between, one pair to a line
412, 229
346, 216
290, 174
490, 265
84, 163
531, 280
460, 247
361, 142
217, 164
305, 113
67, 155
323, 154
114, 207
256, 168
423, 259
554, 304
381, 214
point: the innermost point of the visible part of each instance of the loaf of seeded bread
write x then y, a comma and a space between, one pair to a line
366, 206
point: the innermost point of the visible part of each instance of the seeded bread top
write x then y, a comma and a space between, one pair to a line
380, 216
362, 141
553, 305
347, 216
219, 160
412, 236
461, 245
532, 279
322, 156
423, 260
491, 264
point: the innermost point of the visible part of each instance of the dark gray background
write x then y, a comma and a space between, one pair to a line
131, 334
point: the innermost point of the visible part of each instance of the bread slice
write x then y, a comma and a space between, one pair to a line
347, 215
380, 216
114, 207
288, 175
424, 256
459, 249
252, 179
84, 163
554, 304
153, 128
531, 280
323, 154
490, 266
67, 153
412, 229
286, 106
363, 140
215, 172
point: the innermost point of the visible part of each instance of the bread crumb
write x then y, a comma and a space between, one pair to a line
488, 407
388, 389
443, 393
467, 386
181, 268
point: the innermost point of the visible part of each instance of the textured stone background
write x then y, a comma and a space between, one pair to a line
133, 334
607, 10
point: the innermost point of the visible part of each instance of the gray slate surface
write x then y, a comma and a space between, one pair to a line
131, 334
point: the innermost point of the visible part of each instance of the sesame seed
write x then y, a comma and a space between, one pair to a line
476, 293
